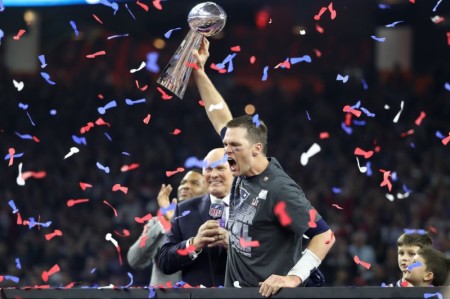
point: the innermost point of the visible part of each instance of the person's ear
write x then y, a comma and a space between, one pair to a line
257, 149
429, 276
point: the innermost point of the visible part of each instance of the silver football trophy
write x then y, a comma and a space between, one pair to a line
205, 19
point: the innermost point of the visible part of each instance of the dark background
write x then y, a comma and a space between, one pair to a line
368, 225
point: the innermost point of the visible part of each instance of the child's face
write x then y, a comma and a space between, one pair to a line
418, 275
406, 255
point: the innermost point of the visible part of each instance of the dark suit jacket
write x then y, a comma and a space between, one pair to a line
208, 268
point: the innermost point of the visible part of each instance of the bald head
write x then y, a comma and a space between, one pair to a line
217, 173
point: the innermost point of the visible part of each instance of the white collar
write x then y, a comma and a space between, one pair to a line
226, 199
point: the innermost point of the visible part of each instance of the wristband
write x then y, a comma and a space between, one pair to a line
308, 262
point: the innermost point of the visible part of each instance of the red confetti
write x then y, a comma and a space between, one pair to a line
252, 59
312, 218
324, 135
97, 19
321, 12
186, 251
166, 224
236, 49
47, 274
72, 202
50, 236
284, 64
349, 109
214, 67
143, 219
87, 127
448, 38
109, 205
359, 262
332, 11
142, 241
143, 88
201, 103
118, 187
280, 211
126, 233
319, 29
337, 206
407, 133
170, 173
404, 284
331, 238
101, 122
144, 6
126, 168
157, 4
11, 152
245, 243
420, 118
360, 152
85, 185
176, 132
35, 139
164, 95
386, 182
192, 65
317, 52
446, 139
96, 54
19, 218
19, 34
35, 174
70, 285
147, 119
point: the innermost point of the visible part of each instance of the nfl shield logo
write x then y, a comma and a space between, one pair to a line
216, 210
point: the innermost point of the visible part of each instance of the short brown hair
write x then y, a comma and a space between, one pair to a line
437, 263
256, 131
415, 239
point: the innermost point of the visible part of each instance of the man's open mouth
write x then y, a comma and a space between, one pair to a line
232, 163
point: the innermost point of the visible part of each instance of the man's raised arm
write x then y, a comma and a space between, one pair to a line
216, 108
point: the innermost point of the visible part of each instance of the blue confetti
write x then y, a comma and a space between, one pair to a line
169, 208
384, 6
436, 6
439, 135
429, 295
447, 86
307, 115
131, 280
18, 155
126, 154
359, 122
378, 39
346, 129
2, 34
367, 112
224, 159
414, 231
47, 78
255, 120
79, 140
42, 60
126, 5
406, 189
24, 136
369, 168
12, 278
23, 106
169, 33
53, 112
194, 162
32, 223
93, 270
414, 265
336, 190
264, 77
18, 265
101, 167
383, 285
13, 206
357, 105
364, 83
151, 65
151, 293
185, 213
229, 60
393, 24
344, 79
131, 102
102, 110
305, 58
107, 136
113, 5
74, 27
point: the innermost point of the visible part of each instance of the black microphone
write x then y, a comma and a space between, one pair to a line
216, 210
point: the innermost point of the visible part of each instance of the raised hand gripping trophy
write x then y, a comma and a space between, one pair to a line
205, 19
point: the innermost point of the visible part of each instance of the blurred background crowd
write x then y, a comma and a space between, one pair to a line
300, 104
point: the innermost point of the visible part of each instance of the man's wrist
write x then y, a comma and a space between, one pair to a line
296, 279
